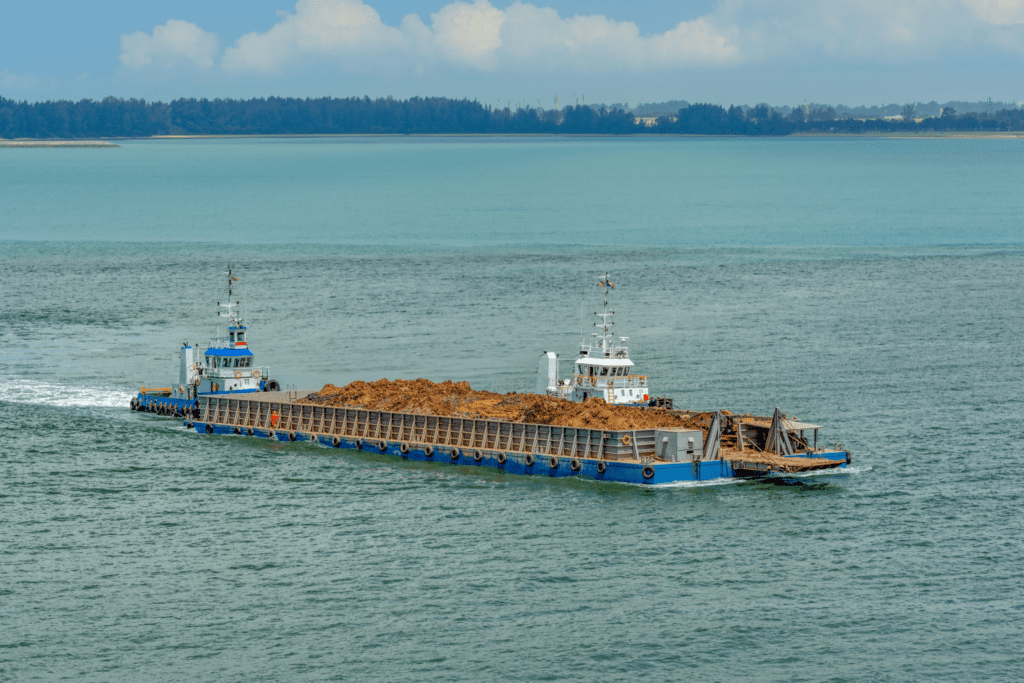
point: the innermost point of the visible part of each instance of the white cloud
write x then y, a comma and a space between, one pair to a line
468, 33
1000, 12
344, 28
349, 37
867, 31
476, 35
538, 37
173, 43
12, 81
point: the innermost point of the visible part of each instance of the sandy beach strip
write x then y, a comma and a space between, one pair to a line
57, 143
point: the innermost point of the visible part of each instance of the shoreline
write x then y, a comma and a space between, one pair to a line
108, 144
63, 144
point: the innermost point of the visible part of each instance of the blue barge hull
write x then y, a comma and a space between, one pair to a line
514, 448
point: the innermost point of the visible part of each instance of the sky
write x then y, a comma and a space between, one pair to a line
782, 52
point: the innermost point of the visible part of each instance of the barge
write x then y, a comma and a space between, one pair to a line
638, 456
225, 394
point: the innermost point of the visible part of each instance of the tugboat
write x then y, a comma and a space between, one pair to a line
603, 369
227, 367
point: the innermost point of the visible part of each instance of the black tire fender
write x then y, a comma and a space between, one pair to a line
502, 458
455, 454
336, 441
209, 428
601, 467
648, 471
553, 462
478, 456
530, 460
574, 465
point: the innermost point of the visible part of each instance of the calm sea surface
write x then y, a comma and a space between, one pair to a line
873, 286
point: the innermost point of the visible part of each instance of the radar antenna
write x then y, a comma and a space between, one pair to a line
230, 314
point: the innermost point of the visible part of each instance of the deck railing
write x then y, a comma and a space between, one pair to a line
456, 432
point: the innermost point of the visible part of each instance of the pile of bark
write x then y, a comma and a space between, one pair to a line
458, 399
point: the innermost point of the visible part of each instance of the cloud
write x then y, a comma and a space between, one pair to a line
173, 43
999, 12
477, 36
868, 31
349, 37
12, 81
537, 37
467, 33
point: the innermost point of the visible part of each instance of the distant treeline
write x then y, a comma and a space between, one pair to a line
114, 117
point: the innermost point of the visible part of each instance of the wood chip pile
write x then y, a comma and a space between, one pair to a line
457, 399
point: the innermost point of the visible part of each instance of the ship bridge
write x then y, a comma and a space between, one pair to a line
603, 369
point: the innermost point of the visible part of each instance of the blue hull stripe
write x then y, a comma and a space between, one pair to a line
624, 472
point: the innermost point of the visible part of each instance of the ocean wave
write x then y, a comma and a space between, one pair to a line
14, 390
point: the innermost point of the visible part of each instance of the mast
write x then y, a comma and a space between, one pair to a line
605, 323
233, 318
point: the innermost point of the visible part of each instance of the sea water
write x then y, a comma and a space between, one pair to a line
871, 286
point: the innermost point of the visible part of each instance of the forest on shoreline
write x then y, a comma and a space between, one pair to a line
134, 118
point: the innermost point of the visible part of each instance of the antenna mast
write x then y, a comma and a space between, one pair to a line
230, 314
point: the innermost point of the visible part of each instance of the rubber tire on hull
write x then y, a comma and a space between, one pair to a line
648, 472
601, 467
209, 428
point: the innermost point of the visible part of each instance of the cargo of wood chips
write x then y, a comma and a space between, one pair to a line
457, 399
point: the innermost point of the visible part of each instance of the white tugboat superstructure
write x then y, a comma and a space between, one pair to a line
603, 369
226, 367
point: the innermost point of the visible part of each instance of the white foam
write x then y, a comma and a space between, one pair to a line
849, 469
722, 481
46, 394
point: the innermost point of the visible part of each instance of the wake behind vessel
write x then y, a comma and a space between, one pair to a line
227, 367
